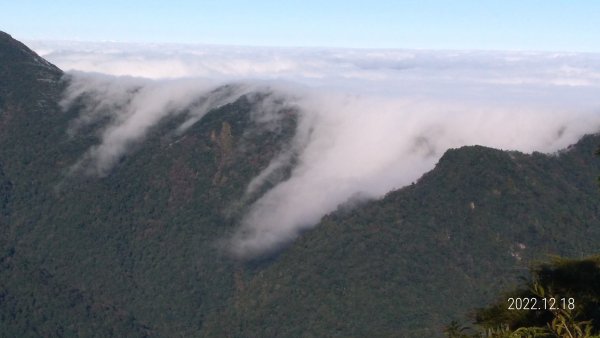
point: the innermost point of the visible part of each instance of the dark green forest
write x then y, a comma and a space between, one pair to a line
135, 253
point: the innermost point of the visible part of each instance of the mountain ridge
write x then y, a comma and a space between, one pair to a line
463, 242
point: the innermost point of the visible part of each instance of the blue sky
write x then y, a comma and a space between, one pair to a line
554, 25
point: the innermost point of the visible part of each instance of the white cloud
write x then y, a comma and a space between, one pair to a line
371, 120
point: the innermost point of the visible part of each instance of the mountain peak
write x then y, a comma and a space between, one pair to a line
4, 35
16, 57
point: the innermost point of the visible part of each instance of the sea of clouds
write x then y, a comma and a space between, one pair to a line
370, 120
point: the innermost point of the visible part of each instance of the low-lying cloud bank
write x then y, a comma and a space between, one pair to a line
370, 120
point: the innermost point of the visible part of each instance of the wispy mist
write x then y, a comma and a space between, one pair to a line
370, 120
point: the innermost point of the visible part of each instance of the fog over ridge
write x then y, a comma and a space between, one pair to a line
370, 120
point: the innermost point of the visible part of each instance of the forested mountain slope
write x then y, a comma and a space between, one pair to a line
429, 253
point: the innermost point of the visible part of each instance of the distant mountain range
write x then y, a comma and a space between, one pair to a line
136, 252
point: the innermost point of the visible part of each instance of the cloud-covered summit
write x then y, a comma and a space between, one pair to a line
370, 120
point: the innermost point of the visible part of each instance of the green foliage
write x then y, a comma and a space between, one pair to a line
576, 279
